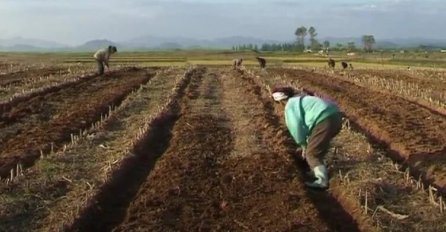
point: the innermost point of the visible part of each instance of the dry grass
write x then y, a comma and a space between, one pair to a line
416, 89
393, 199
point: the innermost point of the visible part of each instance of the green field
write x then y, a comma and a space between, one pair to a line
386, 59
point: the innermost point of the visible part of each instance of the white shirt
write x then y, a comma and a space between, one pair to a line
102, 55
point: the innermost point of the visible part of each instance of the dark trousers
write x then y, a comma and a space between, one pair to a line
100, 67
319, 141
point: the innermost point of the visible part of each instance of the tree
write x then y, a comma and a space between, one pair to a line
301, 32
368, 42
314, 43
326, 44
312, 32
266, 47
339, 46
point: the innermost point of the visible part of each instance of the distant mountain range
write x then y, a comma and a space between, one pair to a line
155, 42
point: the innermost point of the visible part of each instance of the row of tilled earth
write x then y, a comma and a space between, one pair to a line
220, 159
49, 119
53, 190
427, 88
24, 84
21, 77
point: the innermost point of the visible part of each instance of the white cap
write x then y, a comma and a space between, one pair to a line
279, 96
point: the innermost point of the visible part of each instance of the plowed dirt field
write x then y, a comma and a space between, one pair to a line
205, 149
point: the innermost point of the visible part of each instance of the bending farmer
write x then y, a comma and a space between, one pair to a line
102, 56
313, 122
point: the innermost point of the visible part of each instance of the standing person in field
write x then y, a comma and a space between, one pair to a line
312, 122
331, 63
102, 57
262, 62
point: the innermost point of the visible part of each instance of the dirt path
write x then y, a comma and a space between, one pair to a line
34, 125
416, 135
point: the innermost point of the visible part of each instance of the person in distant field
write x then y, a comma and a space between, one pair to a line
344, 65
102, 57
237, 63
262, 62
312, 122
351, 66
331, 63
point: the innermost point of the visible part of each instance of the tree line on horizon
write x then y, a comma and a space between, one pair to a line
299, 45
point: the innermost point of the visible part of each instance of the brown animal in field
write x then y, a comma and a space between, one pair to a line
344, 65
262, 62
236, 63
331, 63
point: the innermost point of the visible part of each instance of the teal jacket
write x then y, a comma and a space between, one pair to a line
303, 113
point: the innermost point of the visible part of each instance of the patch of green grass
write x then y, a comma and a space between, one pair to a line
225, 57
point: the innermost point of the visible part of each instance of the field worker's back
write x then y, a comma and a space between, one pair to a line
303, 113
102, 55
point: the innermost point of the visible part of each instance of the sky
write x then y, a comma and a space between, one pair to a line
74, 22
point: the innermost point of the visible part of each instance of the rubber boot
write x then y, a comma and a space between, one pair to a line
321, 174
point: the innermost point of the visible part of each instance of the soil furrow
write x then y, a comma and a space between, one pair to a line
56, 198
23, 76
427, 93
331, 209
47, 121
7, 106
183, 192
108, 207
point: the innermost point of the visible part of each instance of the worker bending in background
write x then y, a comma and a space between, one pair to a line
262, 62
102, 57
312, 122
237, 63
